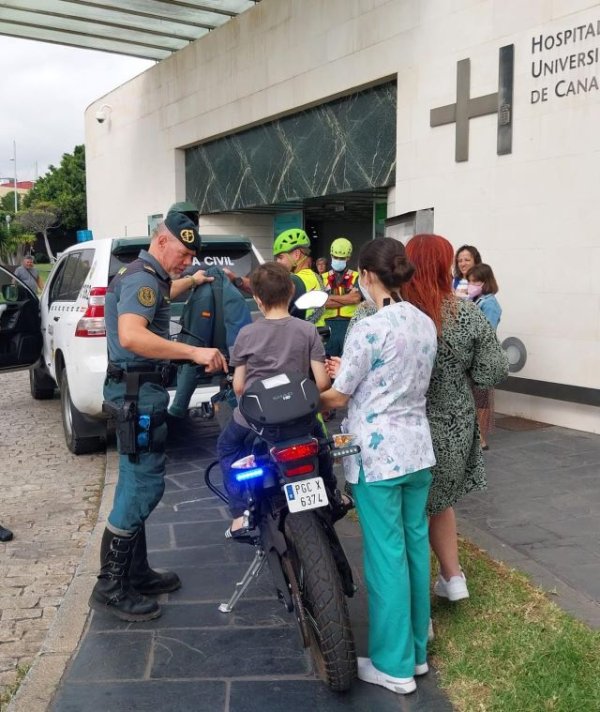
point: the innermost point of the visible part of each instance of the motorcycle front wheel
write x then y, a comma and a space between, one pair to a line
325, 612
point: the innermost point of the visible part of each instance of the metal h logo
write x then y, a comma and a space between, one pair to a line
467, 108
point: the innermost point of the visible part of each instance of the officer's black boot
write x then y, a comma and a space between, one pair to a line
143, 578
113, 591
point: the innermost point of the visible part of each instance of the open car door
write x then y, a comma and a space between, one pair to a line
20, 326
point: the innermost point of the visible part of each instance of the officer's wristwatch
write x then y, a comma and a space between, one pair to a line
238, 282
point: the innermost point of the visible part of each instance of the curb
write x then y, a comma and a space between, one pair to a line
564, 596
37, 689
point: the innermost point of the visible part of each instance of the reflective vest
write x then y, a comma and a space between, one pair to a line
312, 283
345, 285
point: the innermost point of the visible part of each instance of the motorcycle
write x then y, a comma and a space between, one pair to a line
292, 510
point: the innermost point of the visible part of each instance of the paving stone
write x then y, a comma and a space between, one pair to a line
113, 656
182, 696
227, 653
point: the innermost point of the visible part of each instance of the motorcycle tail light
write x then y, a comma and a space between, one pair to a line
92, 322
299, 470
299, 451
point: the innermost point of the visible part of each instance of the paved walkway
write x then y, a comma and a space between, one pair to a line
538, 515
196, 658
540, 512
49, 499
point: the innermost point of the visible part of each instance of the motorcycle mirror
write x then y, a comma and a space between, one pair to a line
311, 300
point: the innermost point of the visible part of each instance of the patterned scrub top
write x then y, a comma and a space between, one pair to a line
386, 367
468, 354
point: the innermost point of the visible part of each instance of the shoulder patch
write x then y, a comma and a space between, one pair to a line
122, 270
146, 296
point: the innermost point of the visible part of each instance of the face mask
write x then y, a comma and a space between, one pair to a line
365, 292
474, 290
338, 265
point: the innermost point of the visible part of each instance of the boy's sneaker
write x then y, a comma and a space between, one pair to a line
369, 673
455, 589
422, 669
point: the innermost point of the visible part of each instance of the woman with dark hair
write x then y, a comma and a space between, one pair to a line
383, 376
482, 290
466, 257
468, 353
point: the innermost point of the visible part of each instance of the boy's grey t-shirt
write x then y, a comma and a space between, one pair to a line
269, 346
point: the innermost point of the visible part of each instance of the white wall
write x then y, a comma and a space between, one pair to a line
533, 214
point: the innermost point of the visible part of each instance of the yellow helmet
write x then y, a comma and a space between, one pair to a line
341, 247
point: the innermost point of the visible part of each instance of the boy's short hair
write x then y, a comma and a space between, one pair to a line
272, 284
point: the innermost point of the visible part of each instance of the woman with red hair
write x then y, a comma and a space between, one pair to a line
468, 353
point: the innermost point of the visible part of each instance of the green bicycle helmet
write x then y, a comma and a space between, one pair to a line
289, 240
341, 247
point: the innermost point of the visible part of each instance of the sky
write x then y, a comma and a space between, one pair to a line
44, 91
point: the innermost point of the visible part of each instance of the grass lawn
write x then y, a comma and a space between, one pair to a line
44, 271
510, 649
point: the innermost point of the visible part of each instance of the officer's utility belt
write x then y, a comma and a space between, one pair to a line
134, 429
140, 374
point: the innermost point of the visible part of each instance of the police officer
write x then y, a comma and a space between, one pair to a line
342, 285
137, 325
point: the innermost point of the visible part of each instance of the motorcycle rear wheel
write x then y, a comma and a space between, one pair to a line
325, 613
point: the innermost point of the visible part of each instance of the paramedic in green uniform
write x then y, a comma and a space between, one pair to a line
137, 326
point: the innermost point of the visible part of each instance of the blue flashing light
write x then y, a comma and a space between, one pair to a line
249, 474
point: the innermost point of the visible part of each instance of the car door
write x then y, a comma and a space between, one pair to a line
62, 302
20, 331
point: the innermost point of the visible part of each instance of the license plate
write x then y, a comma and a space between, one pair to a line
306, 494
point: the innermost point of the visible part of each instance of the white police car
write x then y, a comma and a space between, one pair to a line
61, 336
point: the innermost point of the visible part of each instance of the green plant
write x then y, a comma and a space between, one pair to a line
509, 649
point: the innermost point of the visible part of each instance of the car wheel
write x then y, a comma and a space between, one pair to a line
41, 384
82, 435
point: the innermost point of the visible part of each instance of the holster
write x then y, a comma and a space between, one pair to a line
125, 418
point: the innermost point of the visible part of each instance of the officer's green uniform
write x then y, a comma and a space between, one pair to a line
142, 289
135, 395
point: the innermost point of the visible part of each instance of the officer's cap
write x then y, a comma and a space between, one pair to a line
186, 208
181, 227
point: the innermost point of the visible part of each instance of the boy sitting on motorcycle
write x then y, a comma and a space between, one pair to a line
265, 348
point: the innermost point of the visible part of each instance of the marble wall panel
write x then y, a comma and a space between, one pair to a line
343, 145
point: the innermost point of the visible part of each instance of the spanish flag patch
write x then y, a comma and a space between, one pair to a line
206, 314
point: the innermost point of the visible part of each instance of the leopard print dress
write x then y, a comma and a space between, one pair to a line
468, 353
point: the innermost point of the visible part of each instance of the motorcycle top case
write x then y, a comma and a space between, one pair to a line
281, 407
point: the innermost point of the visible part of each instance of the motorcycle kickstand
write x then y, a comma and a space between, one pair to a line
252, 572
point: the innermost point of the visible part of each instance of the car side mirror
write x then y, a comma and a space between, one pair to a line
10, 292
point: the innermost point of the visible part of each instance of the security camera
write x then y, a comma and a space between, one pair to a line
103, 113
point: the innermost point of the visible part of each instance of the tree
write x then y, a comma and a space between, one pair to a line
40, 217
64, 187
7, 202
13, 240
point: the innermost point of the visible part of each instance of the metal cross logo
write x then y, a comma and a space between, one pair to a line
466, 108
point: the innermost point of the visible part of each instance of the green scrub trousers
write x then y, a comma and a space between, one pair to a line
397, 569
